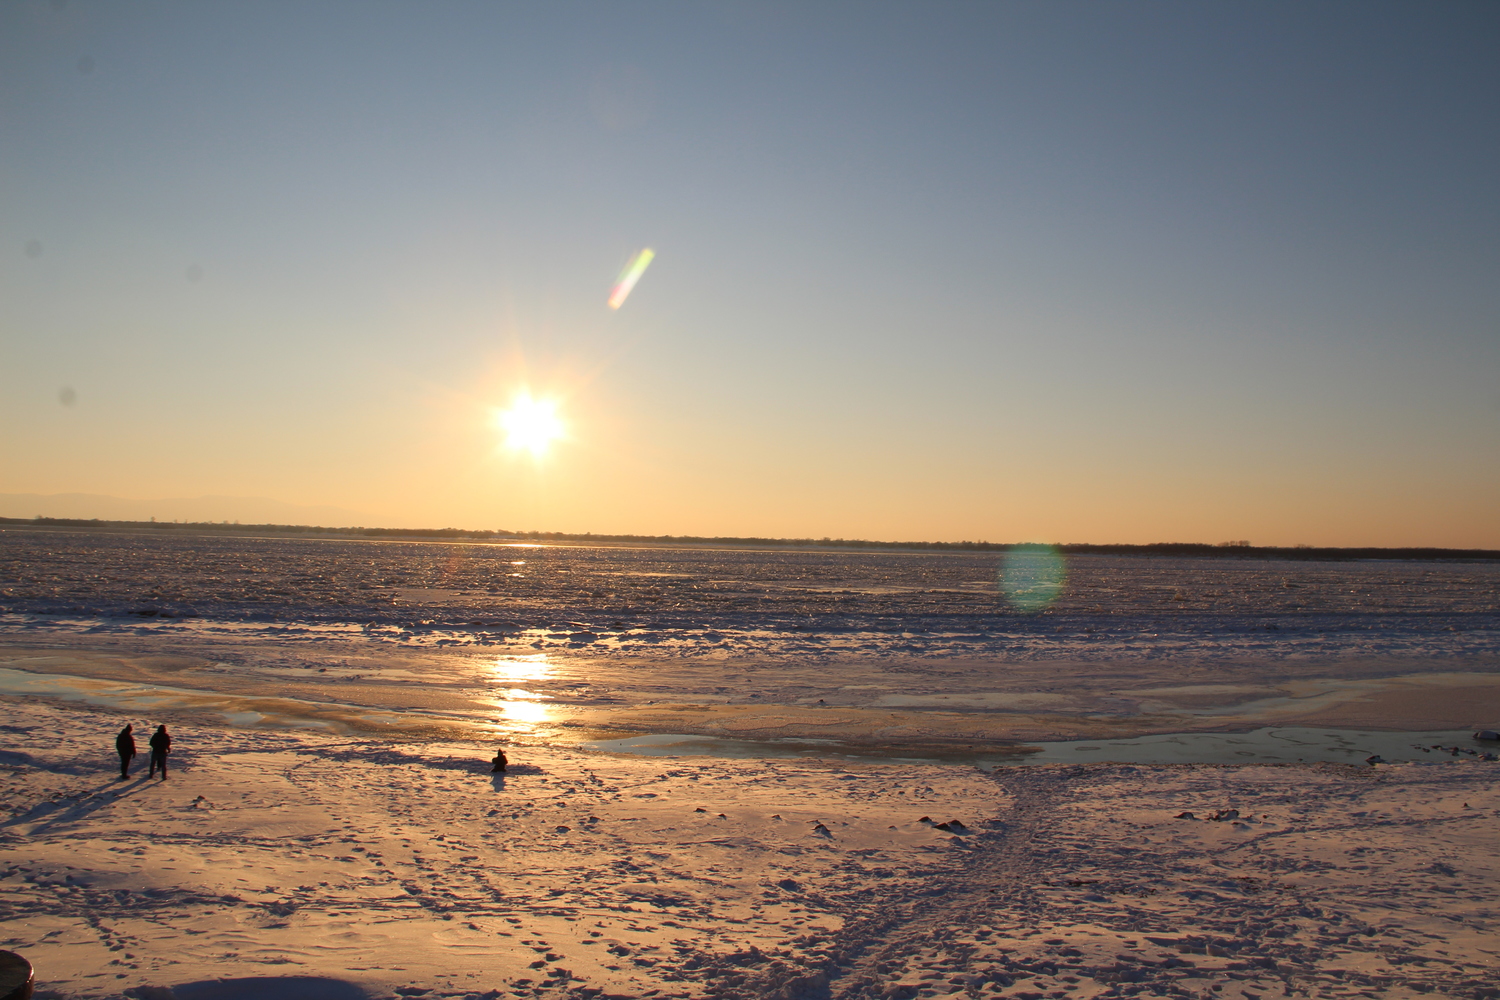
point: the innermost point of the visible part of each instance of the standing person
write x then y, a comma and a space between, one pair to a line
161, 745
125, 747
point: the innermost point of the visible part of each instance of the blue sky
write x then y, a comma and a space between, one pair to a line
1094, 271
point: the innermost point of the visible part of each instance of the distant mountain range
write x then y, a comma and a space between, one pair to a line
249, 510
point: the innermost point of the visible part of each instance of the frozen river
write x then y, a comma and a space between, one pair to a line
753, 640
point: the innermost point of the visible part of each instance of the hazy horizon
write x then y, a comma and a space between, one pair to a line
263, 512
942, 271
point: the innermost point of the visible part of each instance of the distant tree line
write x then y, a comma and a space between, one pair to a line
223, 527
1221, 550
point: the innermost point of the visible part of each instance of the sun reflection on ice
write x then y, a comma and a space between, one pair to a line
530, 667
532, 713
518, 704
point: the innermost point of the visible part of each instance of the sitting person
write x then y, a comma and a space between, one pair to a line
499, 762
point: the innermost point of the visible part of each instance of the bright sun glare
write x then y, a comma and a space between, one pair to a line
530, 424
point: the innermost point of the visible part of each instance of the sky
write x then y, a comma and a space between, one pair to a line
1065, 272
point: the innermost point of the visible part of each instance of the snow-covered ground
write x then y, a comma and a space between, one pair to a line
407, 869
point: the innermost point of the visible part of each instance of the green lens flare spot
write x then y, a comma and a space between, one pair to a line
1032, 576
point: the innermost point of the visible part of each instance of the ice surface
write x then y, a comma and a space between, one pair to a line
370, 849
531, 635
716, 602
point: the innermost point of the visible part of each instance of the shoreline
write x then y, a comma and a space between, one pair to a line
944, 727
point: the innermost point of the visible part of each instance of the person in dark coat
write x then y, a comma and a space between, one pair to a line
161, 745
125, 747
497, 766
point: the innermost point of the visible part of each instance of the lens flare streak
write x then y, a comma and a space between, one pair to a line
629, 277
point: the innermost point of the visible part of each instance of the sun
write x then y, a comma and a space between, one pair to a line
530, 424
